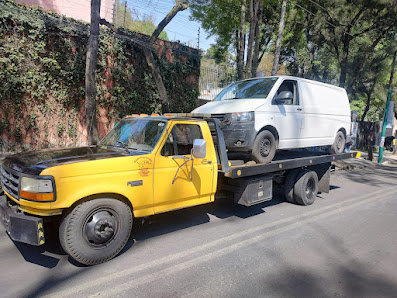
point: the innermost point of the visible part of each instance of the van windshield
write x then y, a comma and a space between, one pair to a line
256, 88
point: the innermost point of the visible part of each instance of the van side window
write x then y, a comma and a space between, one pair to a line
180, 140
289, 85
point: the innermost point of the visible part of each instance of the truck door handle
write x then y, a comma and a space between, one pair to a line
206, 161
299, 109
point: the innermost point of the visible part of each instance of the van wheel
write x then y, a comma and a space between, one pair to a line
264, 147
96, 231
339, 144
306, 187
289, 185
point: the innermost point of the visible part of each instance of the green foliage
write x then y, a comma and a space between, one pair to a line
345, 43
42, 62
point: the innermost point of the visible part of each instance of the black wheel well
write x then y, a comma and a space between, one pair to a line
343, 131
273, 130
97, 196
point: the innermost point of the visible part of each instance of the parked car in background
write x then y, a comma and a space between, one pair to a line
261, 115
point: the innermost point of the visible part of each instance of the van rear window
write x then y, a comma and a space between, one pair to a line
256, 88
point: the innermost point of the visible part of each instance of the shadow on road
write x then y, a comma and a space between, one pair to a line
379, 175
354, 277
186, 218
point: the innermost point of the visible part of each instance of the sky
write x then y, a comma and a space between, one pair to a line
180, 28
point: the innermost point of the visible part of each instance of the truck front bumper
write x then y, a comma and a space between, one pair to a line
21, 227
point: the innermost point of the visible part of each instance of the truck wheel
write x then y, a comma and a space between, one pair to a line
264, 147
339, 144
96, 231
289, 185
306, 187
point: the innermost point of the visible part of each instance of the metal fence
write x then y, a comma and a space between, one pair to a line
213, 80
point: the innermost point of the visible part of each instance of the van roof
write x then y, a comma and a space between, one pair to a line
300, 79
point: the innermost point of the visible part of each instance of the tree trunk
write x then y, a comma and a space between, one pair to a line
254, 4
343, 63
366, 106
255, 59
90, 83
241, 45
279, 38
179, 6
165, 105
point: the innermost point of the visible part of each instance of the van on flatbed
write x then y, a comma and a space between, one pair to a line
146, 165
262, 115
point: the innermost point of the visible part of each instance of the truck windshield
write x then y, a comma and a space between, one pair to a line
256, 88
135, 133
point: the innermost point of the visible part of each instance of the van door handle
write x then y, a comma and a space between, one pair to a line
206, 161
299, 109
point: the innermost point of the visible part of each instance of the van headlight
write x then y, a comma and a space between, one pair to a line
37, 189
243, 117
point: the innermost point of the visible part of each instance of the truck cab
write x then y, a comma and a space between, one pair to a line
145, 165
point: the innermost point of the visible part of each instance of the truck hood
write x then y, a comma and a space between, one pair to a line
230, 106
34, 162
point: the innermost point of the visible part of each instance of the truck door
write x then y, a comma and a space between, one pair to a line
173, 188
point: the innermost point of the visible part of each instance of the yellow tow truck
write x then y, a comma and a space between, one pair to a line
146, 165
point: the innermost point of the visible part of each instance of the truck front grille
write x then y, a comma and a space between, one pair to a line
10, 182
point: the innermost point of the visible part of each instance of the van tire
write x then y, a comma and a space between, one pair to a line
96, 231
264, 147
289, 185
339, 143
306, 187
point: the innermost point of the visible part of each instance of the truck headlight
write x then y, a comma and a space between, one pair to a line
244, 116
37, 189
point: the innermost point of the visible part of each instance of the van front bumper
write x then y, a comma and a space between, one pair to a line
19, 226
239, 136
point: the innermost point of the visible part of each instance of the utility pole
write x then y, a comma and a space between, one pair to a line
382, 140
198, 38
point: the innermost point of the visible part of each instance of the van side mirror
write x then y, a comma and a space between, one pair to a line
284, 96
199, 148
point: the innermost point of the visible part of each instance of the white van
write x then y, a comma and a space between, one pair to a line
261, 115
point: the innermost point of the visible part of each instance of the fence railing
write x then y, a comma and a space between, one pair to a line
213, 80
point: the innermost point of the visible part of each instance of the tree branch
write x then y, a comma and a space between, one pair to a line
179, 6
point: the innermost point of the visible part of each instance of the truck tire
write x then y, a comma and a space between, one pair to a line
264, 147
339, 143
96, 231
289, 185
306, 187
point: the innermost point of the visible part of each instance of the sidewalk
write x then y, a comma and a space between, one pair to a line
362, 162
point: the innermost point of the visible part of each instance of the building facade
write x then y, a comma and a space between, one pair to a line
76, 9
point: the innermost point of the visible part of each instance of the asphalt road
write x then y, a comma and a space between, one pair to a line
345, 244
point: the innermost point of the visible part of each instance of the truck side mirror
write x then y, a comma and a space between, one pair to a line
284, 96
199, 148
